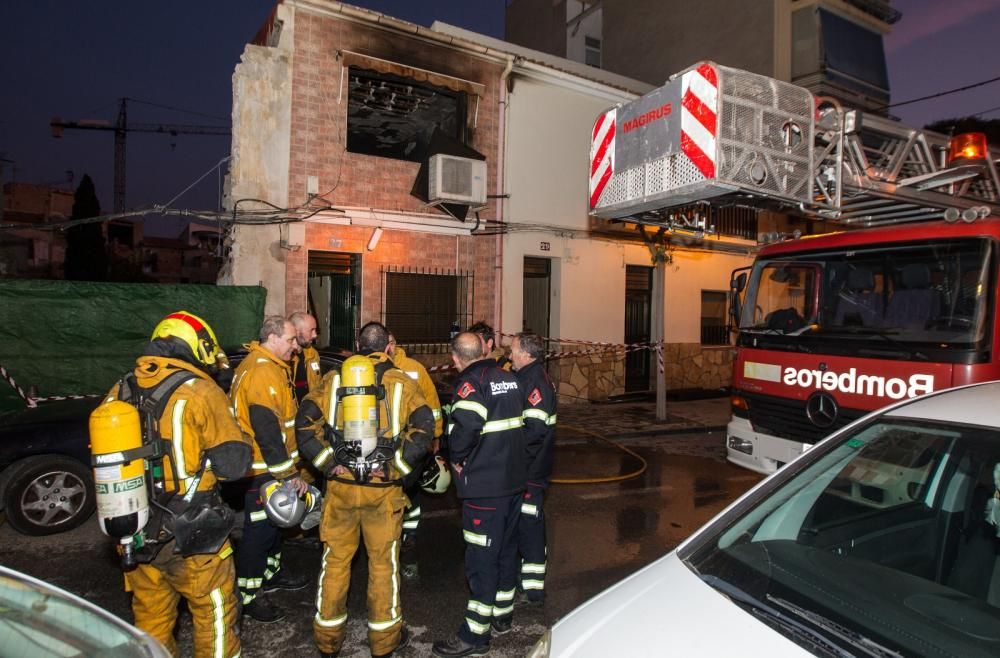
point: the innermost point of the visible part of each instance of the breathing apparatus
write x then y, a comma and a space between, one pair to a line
353, 421
127, 453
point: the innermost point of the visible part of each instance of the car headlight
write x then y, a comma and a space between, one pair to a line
541, 648
742, 445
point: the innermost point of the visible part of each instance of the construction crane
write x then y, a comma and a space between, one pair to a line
121, 128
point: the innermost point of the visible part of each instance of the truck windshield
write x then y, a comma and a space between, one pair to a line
885, 544
936, 293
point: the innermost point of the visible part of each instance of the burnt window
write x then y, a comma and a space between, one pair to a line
120, 232
713, 318
392, 116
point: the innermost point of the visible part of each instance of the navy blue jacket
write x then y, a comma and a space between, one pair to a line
539, 421
485, 432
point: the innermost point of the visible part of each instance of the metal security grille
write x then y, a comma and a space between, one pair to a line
420, 306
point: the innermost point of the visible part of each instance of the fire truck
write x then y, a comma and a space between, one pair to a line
896, 297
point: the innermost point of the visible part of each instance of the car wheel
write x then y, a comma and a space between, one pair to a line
47, 494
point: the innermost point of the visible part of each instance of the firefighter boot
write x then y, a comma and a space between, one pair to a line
456, 647
260, 609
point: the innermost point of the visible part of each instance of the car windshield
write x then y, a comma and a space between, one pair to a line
886, 544
39, 620
904, 295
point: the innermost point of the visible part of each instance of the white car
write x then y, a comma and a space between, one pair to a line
38, 620
879, 541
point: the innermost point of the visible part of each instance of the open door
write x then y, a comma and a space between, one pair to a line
335, 297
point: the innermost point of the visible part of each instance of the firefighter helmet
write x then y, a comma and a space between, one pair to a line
436, 476
283, 506
313, 500
194, 331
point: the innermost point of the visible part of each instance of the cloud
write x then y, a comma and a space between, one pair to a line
924, 18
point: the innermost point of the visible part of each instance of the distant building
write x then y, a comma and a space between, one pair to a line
831, 47
33, 252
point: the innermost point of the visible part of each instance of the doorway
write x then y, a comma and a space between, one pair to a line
638, 325
334, 292
537, 295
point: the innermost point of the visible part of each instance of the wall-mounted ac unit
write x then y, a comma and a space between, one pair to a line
456, 180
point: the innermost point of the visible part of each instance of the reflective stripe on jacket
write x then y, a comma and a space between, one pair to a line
485, 432
418, 373
539, 420
263, 380
196, 420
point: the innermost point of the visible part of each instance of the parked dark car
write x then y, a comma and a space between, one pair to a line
46, 482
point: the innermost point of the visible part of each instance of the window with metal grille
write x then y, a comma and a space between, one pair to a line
421, 306
713, 318
735, 222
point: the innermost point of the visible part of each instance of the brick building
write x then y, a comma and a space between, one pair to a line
337, 106
33, 251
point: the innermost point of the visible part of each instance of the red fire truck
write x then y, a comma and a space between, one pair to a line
830, 326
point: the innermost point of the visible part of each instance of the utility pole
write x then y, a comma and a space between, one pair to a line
121, 129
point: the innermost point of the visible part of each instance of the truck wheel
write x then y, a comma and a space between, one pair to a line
47, 494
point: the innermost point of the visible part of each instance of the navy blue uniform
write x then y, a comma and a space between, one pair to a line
539, 434
488, 457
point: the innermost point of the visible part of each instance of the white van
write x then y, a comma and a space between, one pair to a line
880, 541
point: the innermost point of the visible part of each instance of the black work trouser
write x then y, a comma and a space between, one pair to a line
531, 542
258, 553
489, 526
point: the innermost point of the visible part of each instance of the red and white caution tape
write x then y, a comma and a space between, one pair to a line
17, 389
32, 402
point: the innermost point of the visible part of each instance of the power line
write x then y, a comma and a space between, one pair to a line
179, 109
938, 95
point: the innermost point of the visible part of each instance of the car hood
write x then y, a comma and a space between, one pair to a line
665, 609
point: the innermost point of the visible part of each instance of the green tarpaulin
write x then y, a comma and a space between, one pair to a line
72, 337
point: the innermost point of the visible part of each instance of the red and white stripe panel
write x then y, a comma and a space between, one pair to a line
602, 154
699, 109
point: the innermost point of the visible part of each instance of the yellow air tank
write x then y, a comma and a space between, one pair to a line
360, 408
122, 502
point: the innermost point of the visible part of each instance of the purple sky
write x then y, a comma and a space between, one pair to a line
75, 59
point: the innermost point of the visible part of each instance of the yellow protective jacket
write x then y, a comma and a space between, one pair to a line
197, 422
403, 413
264, 403
309, 356
418, 373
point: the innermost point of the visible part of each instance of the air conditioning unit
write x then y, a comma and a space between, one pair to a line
457, 180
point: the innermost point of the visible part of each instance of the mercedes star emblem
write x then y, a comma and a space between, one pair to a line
821, 409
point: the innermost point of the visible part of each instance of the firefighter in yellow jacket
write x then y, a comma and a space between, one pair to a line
418, 373
265, 406
195, 426
365, 429
305, 363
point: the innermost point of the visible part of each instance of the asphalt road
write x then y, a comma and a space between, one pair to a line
598, 533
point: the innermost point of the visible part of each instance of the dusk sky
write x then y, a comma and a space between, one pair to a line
76, 59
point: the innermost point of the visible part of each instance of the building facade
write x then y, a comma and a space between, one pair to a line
831, 47
335, 110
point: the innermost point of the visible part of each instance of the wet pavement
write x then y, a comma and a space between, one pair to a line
598, 533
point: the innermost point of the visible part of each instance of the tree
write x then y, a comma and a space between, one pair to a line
86, 249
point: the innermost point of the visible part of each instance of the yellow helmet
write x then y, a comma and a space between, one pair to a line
192, 330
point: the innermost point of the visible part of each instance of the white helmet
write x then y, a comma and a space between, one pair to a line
436, 476
284, 507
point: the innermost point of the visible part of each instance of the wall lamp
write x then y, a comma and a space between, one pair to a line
376, 236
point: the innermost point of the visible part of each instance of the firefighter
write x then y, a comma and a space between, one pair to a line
192, 421
490, 349
416, 371
367, 428
527, 353
486, 444
264, 403
305, 362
